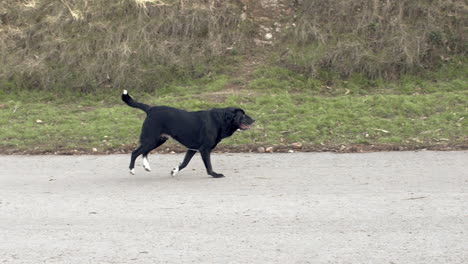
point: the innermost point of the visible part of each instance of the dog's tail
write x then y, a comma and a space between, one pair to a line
130, 102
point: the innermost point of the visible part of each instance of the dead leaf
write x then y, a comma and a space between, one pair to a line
297, 145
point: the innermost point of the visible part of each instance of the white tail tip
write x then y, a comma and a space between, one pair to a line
125, 92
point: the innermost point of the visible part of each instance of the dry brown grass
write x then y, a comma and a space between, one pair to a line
87, 45
376, 38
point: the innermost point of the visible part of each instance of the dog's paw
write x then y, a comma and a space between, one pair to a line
146, 164
217, 175
132, 171
174, 171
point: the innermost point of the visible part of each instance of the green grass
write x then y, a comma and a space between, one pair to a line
449, 78
288, 108
352, 120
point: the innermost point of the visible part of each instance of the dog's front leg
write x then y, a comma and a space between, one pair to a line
188, 157
207, 160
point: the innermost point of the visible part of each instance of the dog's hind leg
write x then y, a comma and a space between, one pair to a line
135, 155
188, 157
146, 165
145, 154
144, 149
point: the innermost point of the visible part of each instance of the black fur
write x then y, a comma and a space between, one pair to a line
198, 131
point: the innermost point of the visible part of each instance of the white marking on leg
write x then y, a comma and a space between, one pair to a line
146, 164
125, 92
175, 171
132, 171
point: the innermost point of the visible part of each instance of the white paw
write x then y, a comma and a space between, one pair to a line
175, 171
146, 164
132, 171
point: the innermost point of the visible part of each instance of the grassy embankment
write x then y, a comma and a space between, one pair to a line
340, 75
354, 115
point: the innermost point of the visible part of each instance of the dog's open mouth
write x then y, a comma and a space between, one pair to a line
244, 126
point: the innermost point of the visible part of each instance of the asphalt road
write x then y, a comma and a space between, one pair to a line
392, 208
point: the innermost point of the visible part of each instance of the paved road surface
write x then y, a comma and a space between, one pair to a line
398, 207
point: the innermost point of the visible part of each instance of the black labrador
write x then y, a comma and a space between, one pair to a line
198, 131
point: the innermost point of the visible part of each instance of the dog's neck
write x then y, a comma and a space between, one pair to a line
226, 130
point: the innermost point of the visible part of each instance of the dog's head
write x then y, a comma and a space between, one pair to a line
238, 119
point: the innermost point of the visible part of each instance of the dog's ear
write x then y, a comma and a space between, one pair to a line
232, 114
239, 114
239, 111
229, 115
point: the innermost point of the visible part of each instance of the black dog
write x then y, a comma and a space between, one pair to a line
198, 131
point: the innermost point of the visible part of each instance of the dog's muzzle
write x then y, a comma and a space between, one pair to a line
244, 127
